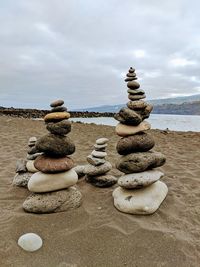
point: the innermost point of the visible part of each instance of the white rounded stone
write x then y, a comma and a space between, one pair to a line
43, 182
102, 141
141, 179
140, 201
30, 166
98, 154
30, 242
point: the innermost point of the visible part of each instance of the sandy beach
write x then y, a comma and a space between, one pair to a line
96, 234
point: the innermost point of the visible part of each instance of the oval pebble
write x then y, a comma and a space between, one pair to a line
30, 242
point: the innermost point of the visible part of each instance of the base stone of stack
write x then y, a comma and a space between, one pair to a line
21, 179
101, 181
30, 166
43, 182
139, 180
140, 201
57, 201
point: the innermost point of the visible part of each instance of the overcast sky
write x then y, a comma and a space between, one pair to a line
80, 50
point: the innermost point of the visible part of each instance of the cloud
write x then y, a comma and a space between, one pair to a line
81, 50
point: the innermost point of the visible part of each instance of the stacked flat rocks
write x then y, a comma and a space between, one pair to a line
139, 191
52, 186
25, 168
98, 167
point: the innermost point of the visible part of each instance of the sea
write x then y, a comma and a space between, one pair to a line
183, 123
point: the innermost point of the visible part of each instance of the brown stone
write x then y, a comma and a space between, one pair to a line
136, 143
126, 130
61, 127
136, 97
137, 105
128, 116
53, 165
56, 116
133, 85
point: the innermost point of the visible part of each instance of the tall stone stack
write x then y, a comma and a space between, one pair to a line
98, 167
52, 186
140, 191
25, 167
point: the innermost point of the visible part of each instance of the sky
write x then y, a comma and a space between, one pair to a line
80, 50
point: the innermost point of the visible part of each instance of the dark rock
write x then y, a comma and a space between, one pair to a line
136, 91
145, 113
141, 161
57, 103
136, 97
59, 109
135, 143
133, 85
98, 170
137, 105
131, 70
53, 165
62, 127
33, 156
131, 75
130, 79
101, 181
55, 145
128, 116
32, 150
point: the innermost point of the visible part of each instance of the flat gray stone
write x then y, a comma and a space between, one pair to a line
98, 154
21, 166
98, 170
22, 179
102, 141
57, 201
95, 161
80, 170
102, 180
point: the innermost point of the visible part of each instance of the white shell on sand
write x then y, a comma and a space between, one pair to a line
125, 130
141, 179
30, 242
43, 182
140, 201
30, 166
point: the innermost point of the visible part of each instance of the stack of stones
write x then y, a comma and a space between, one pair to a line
52, 186
25, 168
97, 169
139, 191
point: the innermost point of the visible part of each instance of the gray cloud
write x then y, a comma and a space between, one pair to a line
80, 50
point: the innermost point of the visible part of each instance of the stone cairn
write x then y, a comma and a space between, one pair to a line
25, 167
139, 191
52, 186
97, 169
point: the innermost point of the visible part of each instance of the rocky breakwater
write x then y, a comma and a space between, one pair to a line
97, 169
25, 167
52, 186
140, 190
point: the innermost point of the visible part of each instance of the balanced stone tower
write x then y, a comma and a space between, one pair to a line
139, 191
25, 167
52, 186
97, 169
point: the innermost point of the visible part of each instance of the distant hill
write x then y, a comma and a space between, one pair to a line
189, 105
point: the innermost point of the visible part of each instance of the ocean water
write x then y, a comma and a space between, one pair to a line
158, 121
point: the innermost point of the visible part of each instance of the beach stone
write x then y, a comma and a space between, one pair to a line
137, 105
30, 242
59, 109
32, 140
131, 70
130, 79
56, 116
140, 201
21, 179
131, 74
101, 181
136, 92
55, 145
30, 166
128, 116
80, 170
33, 156
98, 154
62, 127
136, 97
21, 166
135, 143
98, 170
133, 85
53, 165
43, 182
100, 147
57, 103
140, 161
102, 141
95, 161
126, 130
139, 180
145, 113
58, 201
